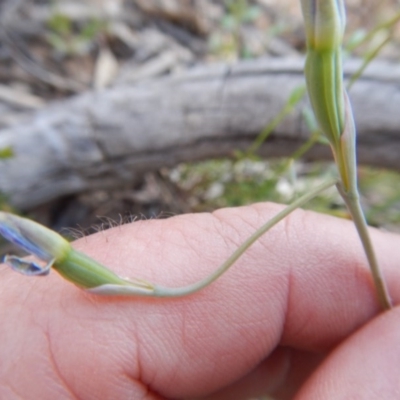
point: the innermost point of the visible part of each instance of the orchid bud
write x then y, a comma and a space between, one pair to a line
33, 238
74, 266
325, 22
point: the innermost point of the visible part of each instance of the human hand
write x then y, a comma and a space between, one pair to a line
295, 316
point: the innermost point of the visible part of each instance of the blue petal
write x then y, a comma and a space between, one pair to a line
14, 236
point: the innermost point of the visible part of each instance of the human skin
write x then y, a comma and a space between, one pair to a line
296, 316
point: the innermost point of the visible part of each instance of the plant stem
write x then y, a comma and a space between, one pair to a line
352, 201
160, 291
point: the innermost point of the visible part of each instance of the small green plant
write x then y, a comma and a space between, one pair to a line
67, 39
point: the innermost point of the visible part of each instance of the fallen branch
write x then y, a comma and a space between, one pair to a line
106, 139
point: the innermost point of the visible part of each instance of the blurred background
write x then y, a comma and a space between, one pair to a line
54, 53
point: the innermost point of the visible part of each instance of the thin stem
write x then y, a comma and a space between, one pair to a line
352, 201
293, 100
160, 291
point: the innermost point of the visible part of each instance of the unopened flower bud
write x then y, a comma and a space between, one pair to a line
325, 22
33, 237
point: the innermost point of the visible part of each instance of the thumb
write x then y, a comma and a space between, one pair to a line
365, 366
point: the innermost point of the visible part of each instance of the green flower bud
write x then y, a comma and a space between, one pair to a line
325, 23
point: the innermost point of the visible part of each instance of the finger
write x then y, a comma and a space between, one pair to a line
280, 375
305, 285
366, 366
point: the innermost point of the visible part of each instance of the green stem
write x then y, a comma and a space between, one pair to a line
293, 100
352, 201
160, 291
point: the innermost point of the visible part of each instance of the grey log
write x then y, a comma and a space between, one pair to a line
108, 138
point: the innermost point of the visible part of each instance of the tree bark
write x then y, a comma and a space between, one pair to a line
109, 138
